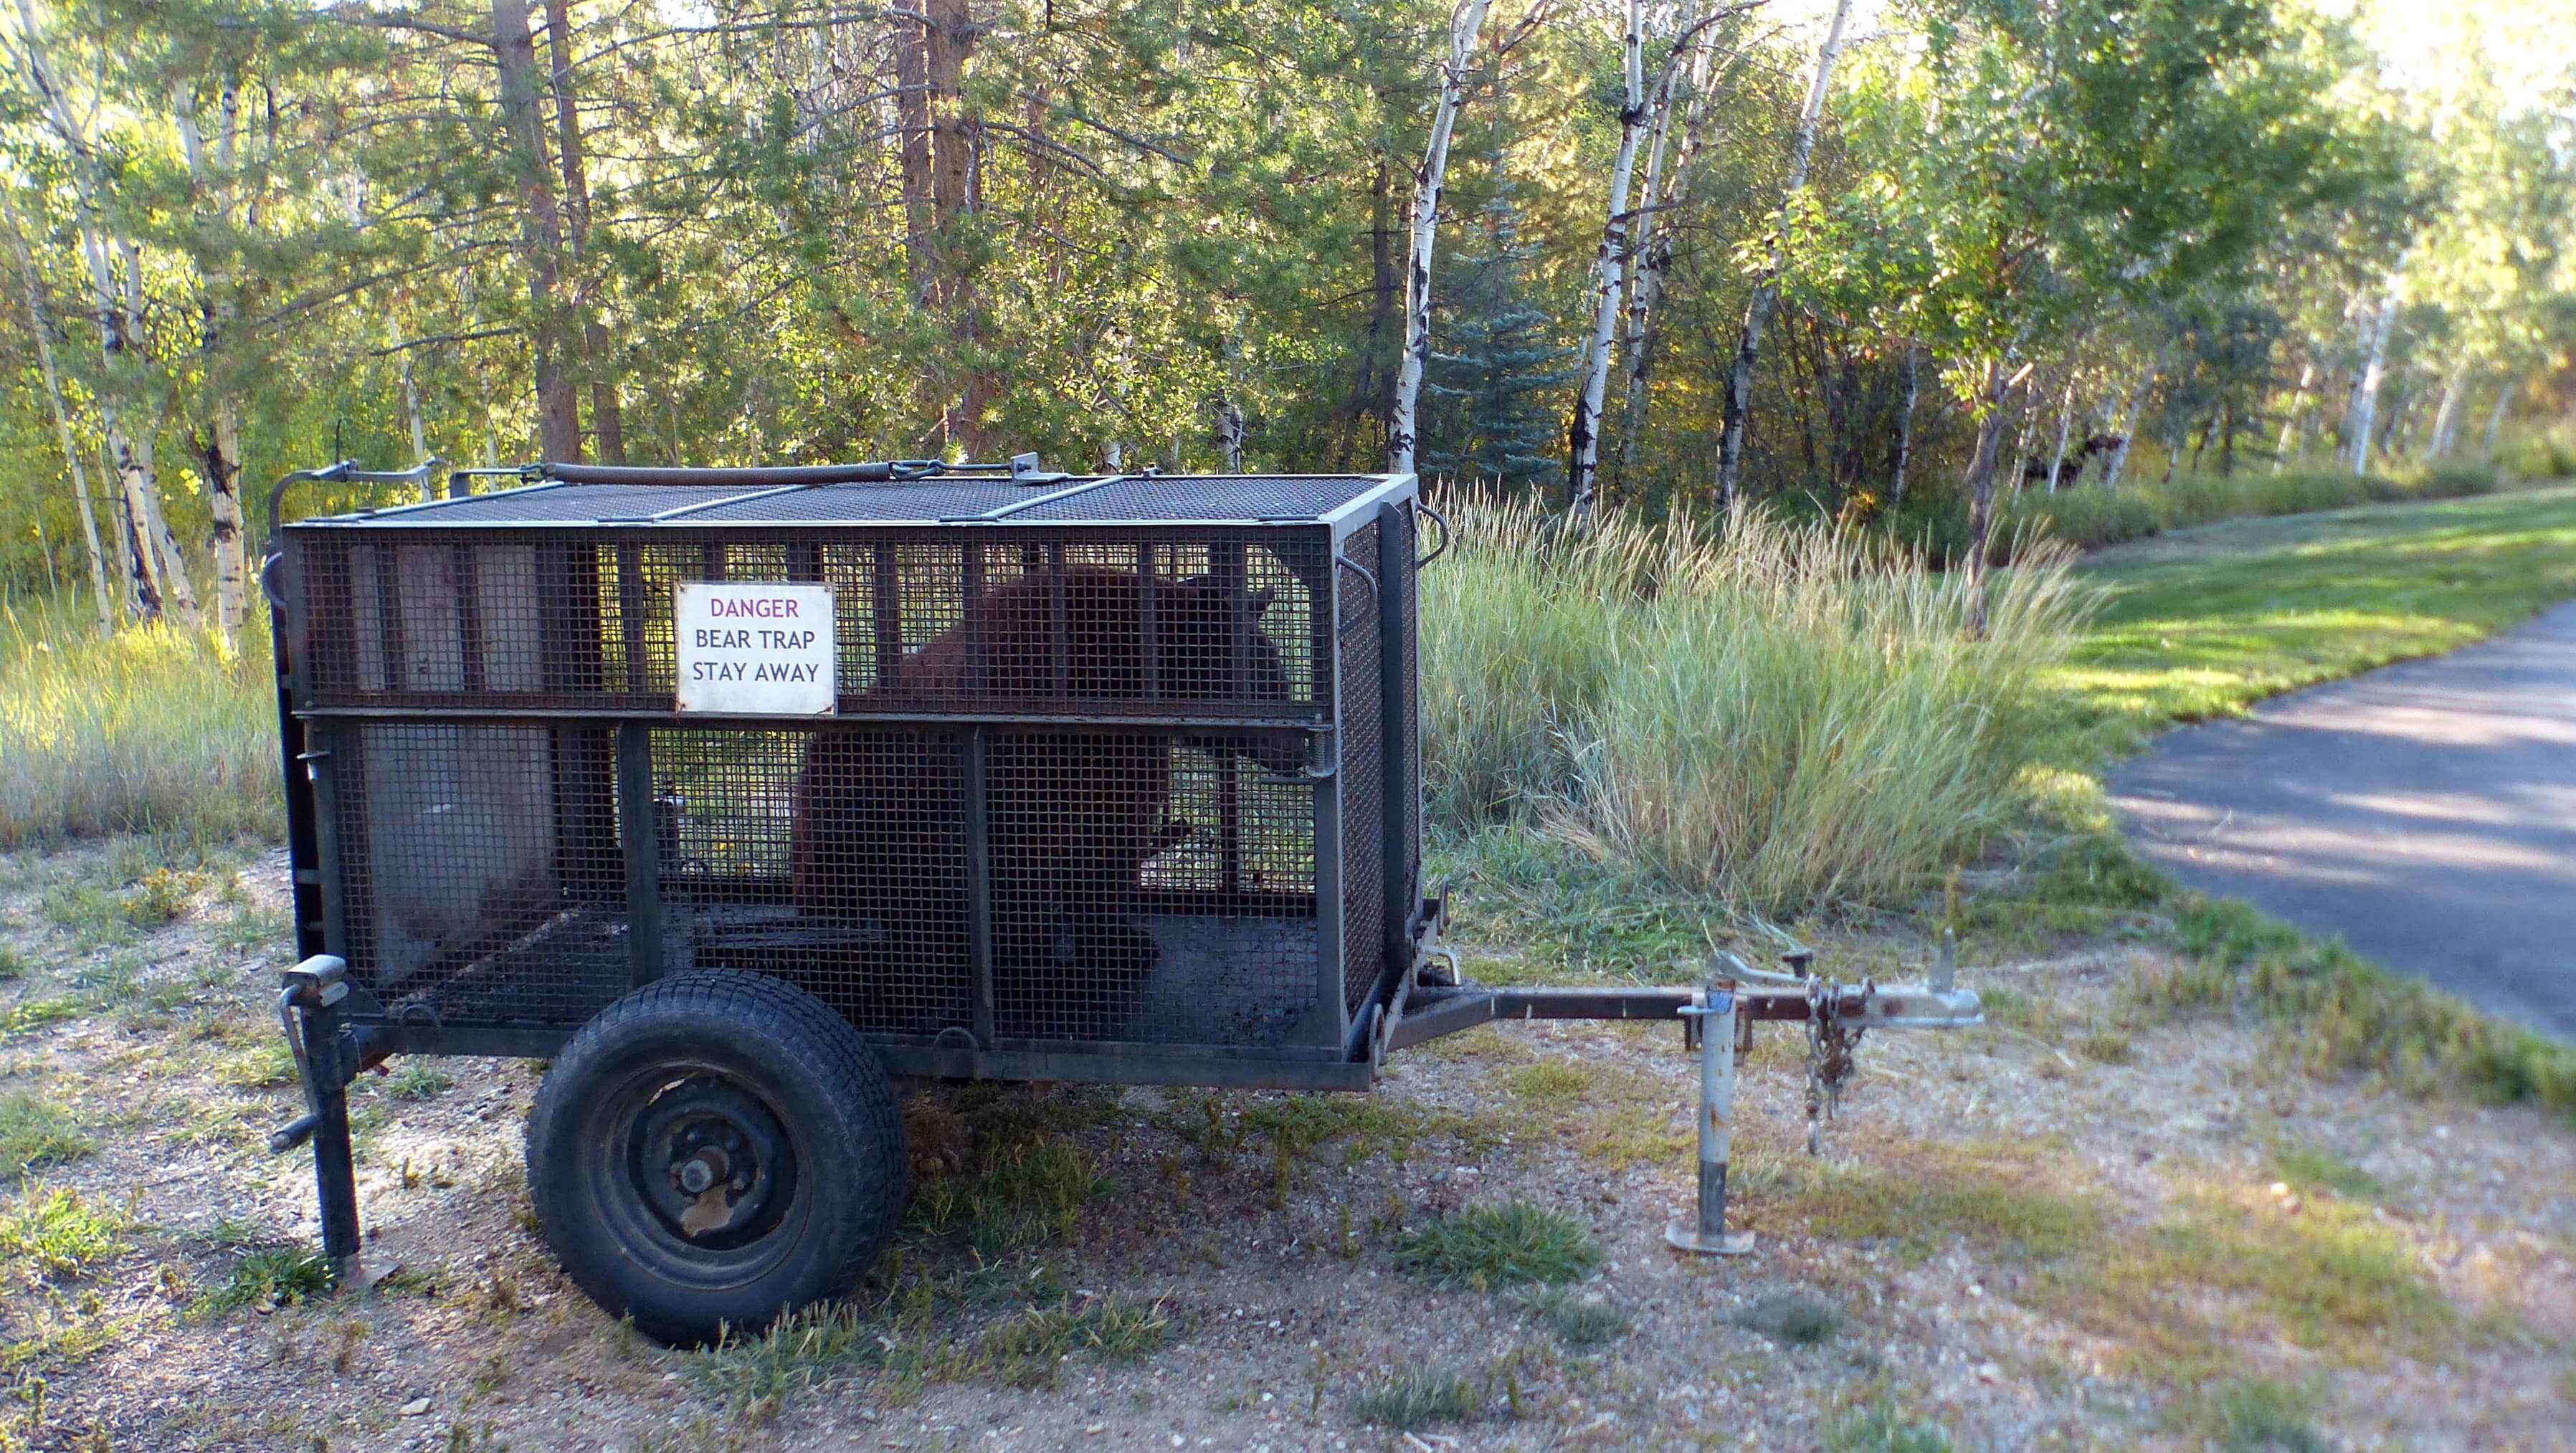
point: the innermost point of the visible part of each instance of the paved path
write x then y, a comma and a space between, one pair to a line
2425, 812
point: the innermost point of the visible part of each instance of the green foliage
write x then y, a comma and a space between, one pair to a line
1026, 1347
1490, 1248
756, 1377
1879, 1428
271, 1276
1416, 1396
1581, 1320
1782, 718
1024, 1194
419, 1078
36, 1132
159, 727
2090, 519
1799, 1321
56, 1232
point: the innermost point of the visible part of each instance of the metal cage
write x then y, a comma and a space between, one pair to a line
1116, 778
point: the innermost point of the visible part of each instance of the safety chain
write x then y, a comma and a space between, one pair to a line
1830, 1047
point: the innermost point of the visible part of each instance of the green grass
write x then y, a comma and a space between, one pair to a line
2207, 622
35, 1132
155, 727
56, 1232
1027, 1346
1796, 1320
1581, 1320
2090, 518
272, 1276
1489, 1248
1880, 1428
1023, 1195
1786, 717
756, 1376
1416, 1396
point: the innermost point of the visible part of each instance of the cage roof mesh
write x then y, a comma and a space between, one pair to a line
1105, 500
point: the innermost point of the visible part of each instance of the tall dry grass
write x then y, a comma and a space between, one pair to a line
155, 728
1788, 716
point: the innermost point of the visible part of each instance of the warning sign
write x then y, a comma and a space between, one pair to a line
755, 646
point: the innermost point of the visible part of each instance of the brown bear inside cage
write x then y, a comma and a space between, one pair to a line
1074, 817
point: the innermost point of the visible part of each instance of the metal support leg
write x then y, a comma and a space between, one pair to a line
1706, 1232
309, 1008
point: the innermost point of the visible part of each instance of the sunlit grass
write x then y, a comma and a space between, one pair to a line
2206, 623
1780, 717
157, 727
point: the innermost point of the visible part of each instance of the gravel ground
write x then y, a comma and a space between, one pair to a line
2076, 1227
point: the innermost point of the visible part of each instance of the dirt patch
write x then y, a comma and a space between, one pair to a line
2076, 1227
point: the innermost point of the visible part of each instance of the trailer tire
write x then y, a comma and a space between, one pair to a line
713, 1150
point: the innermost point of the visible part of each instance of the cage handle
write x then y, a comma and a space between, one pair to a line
1442, 521
1356, 568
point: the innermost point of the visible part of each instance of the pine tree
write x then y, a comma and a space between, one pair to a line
1489, 411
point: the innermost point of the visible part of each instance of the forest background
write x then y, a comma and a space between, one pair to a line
1853, 259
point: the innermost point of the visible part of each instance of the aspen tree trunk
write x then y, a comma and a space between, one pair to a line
2119, 459
2495, 420
607, 413
1583, 438
2065, 417
1665, 196
1229, 435
157, 568
42, 331
219, 444
2446, 419
1981, 493
1905, 429
956, 142
2365, 390
540, 231
1463, 30
1739, 379
2290, 419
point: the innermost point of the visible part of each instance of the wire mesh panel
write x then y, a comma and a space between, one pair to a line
835, 858
1362, 786
1031, 624
480, 875
1066, 796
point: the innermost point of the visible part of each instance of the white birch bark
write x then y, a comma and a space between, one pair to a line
220, 444
153, 573
2495, 420
1229, 434
2119, 460
2290, 419
1464, 27
1666, 191
2446, 419
1905, 428
1583, 437
2365, 392
1757, 313
42, 330
2065, 417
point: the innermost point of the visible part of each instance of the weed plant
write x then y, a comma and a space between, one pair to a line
1416, 1396
1782, 716
1578, 1319
755, 1376
155, 727
56, 1232
1879, 1428
271, 1276
1489, 1248
36, 1132
1026, 1347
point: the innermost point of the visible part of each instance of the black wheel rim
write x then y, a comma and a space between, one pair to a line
701, 1177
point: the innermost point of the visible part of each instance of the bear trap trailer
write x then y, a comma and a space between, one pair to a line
739, 793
